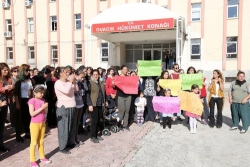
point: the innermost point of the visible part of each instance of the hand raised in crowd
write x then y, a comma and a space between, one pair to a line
72, 78
45, 105
6, 87
3, 103
90, 108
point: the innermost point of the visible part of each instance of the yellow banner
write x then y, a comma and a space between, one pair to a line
173, 84
191, 102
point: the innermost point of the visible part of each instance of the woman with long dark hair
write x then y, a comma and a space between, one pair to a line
216, 96
5, 88
12, 105
66, 115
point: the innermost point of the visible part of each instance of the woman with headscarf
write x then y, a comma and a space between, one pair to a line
5, 88
22, 92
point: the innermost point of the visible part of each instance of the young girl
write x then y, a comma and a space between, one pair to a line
38, 110
167, 117
193, 117
140, 103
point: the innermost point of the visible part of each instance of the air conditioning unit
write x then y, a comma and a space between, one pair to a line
7, 34
27, 3
5, 5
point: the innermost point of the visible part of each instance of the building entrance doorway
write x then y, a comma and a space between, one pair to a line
152, 54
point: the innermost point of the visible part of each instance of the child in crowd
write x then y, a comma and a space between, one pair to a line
193, 117
181, 71
38, 109
140, 103
167, 118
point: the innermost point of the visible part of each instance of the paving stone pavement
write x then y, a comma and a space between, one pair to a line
116, 150
145, 146
209, 147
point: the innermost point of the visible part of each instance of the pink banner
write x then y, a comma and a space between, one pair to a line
167, 105
127, 84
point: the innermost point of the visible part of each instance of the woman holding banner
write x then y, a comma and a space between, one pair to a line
216, 96
160, 91
123, 102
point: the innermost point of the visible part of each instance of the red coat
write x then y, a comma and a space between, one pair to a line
7, 92
109, 87
203, 91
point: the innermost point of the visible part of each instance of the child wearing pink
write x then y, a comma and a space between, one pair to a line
38, 110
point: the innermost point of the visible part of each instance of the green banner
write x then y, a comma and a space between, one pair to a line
189, 79
149, 68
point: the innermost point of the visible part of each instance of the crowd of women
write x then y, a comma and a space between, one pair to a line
62, 97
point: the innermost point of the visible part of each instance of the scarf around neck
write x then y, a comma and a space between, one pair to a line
240, 82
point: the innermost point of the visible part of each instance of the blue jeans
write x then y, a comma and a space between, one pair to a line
171, 63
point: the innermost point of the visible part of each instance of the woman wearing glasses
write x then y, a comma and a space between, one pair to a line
22, 92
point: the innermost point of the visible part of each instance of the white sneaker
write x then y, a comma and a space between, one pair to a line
164, 130
171, 130
194, 131
234, 128
191, 131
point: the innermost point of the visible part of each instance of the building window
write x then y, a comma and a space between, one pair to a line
8, 1
9, 53
8, 25
196, 12
54, 55
53, 20
31, 1
105, 51
78, 52
78, 21
31, 52
30, 25
52, 0
103, 0
232, 43
232, 8
196, 48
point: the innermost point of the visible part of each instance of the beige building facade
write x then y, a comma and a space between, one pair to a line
214, 34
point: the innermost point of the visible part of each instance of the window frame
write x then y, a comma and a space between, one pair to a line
52, 51
103, 58
29, 25
53, 22
76, 55
195, 10
195, 43
77, 20
31, 51
230, 6
8, 25
228, 55
9, 52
